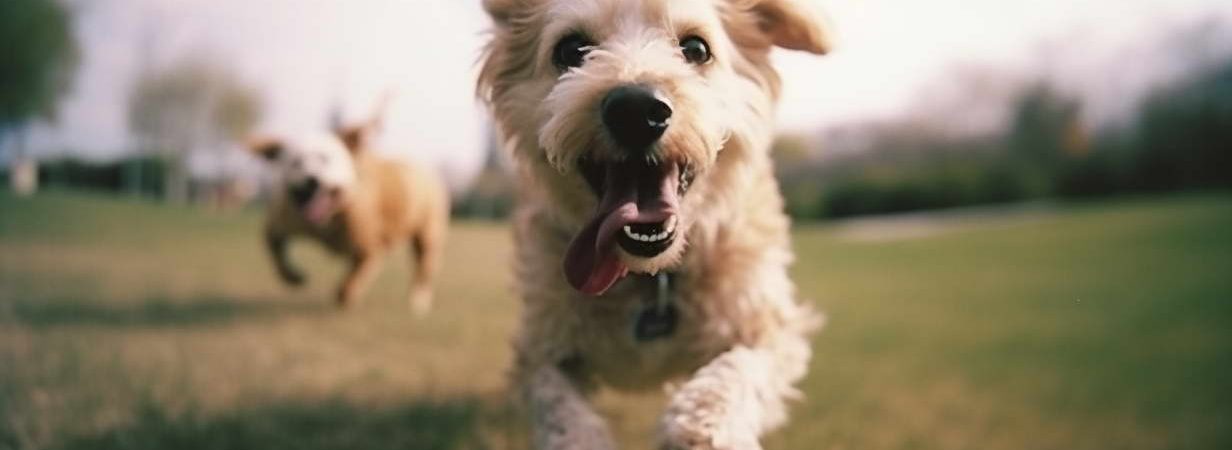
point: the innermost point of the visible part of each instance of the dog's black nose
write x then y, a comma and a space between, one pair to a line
303, 191
634, 116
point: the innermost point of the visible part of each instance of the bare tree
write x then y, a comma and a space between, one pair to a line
191, 106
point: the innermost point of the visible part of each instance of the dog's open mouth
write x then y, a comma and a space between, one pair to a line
315, 203
638, 202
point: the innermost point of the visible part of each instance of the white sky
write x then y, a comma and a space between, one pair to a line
305, 53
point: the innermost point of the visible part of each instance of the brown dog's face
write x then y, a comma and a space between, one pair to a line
315, 172
624, 111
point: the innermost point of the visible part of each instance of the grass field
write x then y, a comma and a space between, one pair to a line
126, 325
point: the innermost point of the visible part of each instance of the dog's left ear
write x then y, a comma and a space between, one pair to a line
267, 148
793, 24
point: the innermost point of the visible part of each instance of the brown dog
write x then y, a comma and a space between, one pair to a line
332, 188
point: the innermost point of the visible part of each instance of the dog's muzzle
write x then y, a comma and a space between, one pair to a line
316, 203
303, 192
639, 200
638, 191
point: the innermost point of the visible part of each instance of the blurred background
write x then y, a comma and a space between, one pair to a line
1016, 215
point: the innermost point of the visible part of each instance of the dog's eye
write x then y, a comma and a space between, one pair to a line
695, 50
571, 51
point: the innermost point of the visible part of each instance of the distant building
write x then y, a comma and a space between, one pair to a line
23, 176
492, 191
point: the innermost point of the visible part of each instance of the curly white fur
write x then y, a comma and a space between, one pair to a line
742, 340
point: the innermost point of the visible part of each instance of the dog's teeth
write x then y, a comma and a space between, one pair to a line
668, 227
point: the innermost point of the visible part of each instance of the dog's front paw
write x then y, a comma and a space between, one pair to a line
292, 277
690, 433
702, 416
344, 298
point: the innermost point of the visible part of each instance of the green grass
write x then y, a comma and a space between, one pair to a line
126, 325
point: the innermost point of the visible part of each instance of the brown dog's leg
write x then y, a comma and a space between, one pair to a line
426, 255
276, 243
363, 268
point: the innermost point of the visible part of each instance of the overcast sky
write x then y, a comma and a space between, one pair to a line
304, 54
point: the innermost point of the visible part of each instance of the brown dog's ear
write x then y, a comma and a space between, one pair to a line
358, 137
794, 24
267, 148
354, 138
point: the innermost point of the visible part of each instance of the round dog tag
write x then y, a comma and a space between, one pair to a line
655, 322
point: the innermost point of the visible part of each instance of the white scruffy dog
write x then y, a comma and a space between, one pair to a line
652, 245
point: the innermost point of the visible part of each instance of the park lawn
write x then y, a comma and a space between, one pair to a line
130, 325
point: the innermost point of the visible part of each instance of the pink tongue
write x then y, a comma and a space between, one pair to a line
591, 264
632, 193
319, 208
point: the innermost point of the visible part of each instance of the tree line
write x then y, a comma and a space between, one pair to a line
1179, 138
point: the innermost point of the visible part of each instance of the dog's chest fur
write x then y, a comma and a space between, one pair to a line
609, 346
715, 311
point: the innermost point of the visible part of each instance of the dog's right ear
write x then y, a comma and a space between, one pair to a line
267, 148
503, 12
793, 24
354, 138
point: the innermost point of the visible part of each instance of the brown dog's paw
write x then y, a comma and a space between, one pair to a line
421, 302
344, 299
292, 277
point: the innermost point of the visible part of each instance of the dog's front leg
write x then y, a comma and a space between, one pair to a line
276, 244
562, 417
736, 397
363, 269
